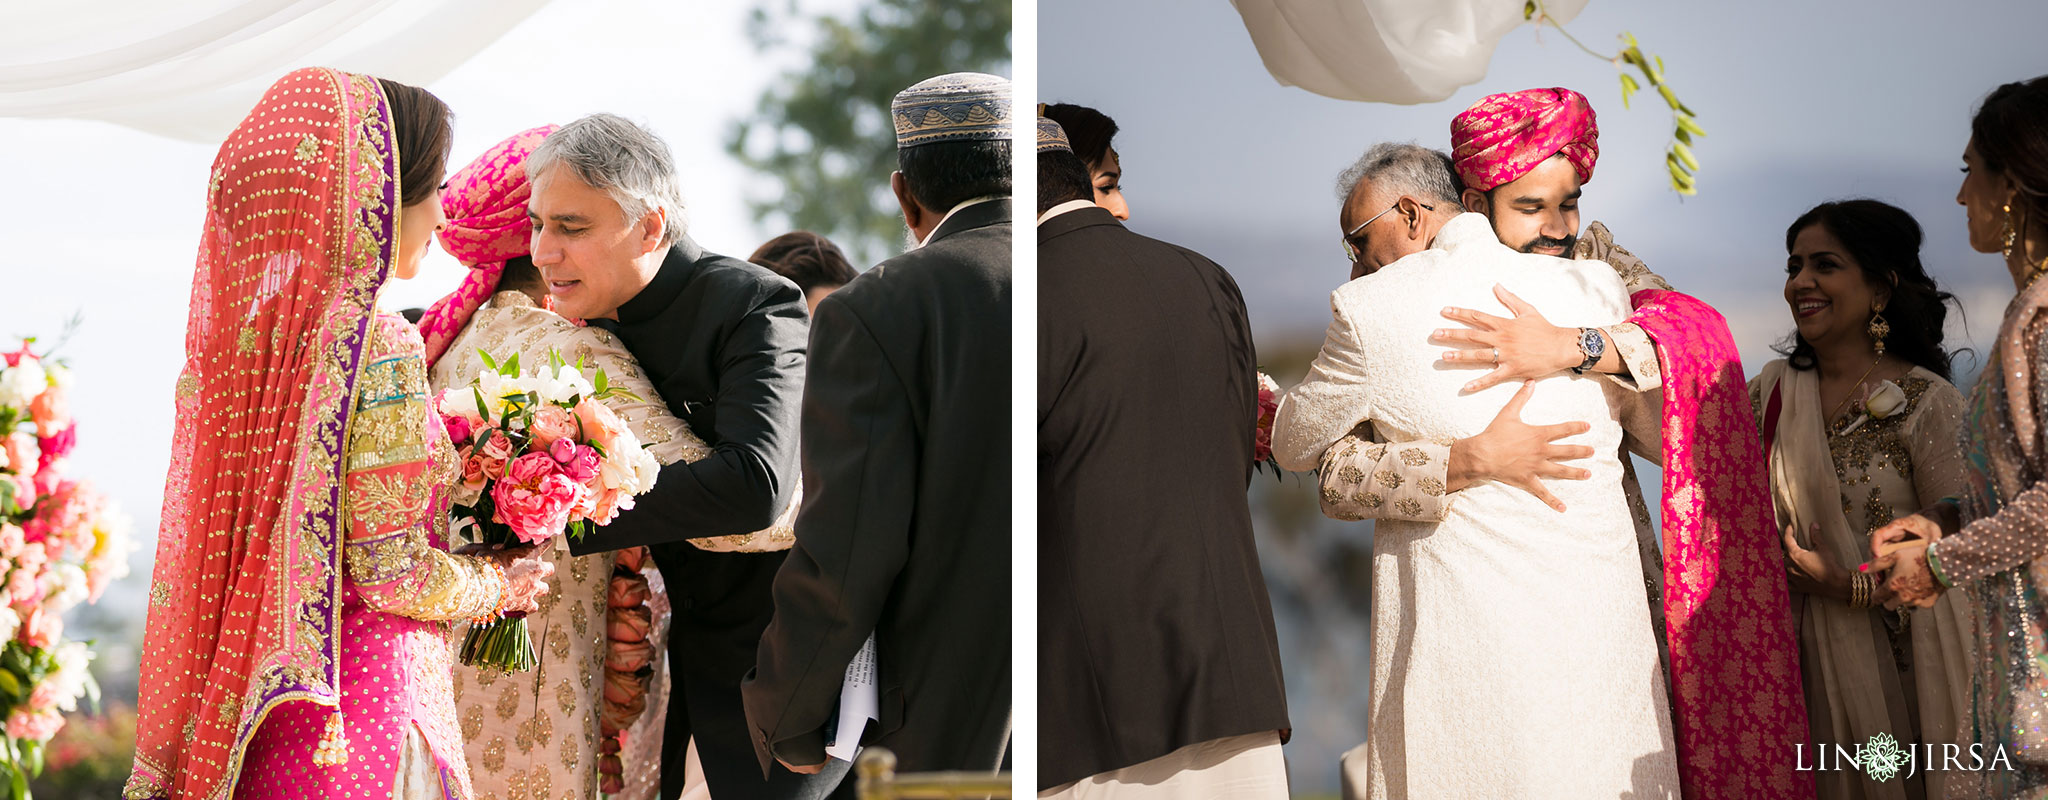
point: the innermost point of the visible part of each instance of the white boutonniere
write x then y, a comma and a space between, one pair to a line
1885, 400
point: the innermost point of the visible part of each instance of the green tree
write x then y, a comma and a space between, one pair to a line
824, 134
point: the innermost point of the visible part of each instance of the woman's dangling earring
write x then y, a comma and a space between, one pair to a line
1879, 328
2010, 233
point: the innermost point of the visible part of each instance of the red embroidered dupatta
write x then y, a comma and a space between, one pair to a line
302, 209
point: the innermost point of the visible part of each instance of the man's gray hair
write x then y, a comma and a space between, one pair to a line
620, 158
1405, 168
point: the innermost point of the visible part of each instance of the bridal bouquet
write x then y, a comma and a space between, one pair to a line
541, 457
1262, 436
61, 544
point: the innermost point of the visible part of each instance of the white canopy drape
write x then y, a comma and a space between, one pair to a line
190, 69
1384, 51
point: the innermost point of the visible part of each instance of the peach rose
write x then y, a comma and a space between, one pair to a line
629, 624
600, 425
628, 656
11, 540
495, 453
23, 454
35, 726
627, 591
50, 411
552, 423
44, 697
41, 628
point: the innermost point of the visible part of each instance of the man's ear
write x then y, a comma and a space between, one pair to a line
653, 227
912, 212
1412, 215
1475, 201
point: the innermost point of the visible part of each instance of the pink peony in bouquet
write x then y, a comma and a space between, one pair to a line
542, 456
61, 543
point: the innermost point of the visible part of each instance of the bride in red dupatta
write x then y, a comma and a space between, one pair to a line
296, 644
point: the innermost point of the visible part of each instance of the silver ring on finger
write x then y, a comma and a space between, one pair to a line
1496, 355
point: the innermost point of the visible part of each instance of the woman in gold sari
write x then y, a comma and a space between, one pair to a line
1860, 421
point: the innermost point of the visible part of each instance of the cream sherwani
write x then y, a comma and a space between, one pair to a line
1513, 654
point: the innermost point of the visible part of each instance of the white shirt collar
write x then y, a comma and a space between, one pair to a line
1070, 205
972, 201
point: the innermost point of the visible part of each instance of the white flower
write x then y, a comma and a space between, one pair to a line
10, 623
628, 467
68, 586
74, 668
22, 382
1887, 399
59, 376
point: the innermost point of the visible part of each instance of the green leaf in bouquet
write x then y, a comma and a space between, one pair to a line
32, 753
483, 411
15, 658
595, 446
7, 506
512, 366
601, 383
488, 360
11, 685
17, 781
555, 363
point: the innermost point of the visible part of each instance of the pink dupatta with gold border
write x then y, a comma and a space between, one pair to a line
1736, 700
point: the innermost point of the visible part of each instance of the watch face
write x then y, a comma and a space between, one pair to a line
1591, 342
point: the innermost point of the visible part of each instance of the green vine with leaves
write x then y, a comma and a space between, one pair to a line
1678, 157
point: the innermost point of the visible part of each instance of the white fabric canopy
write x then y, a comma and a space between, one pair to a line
1384, 51
191, 69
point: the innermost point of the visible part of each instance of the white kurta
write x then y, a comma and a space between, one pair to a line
1512, 651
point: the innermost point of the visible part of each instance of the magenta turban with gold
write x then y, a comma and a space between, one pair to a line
1503, 136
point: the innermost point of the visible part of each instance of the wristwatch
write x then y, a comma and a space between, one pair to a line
1593, 345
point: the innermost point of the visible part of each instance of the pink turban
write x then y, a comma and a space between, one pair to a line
1503, 136
485, 203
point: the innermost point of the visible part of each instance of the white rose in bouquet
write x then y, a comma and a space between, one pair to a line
22, 382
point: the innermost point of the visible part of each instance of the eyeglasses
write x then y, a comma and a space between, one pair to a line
1352, 252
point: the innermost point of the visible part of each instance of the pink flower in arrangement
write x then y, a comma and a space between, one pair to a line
57, 444
579, 462
50, 411
35, 726
457, 427
44, 697
25, 491
23, 589
552, 423
23, 455
600, 425
12, 540
14, 358
41, 627
1269, 406
534, 498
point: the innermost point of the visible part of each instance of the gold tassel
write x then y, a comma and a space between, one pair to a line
333, 749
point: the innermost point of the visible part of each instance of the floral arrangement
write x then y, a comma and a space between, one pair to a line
541, 457
61, 544
1262, 438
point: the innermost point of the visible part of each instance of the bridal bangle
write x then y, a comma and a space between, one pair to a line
1861, 587
1934, 566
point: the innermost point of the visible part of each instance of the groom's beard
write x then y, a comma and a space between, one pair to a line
910, 241
1567, 243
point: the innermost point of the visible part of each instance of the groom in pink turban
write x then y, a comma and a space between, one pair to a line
1527, 152
1732, 657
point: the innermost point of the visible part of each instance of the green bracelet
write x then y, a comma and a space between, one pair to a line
1934, 566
